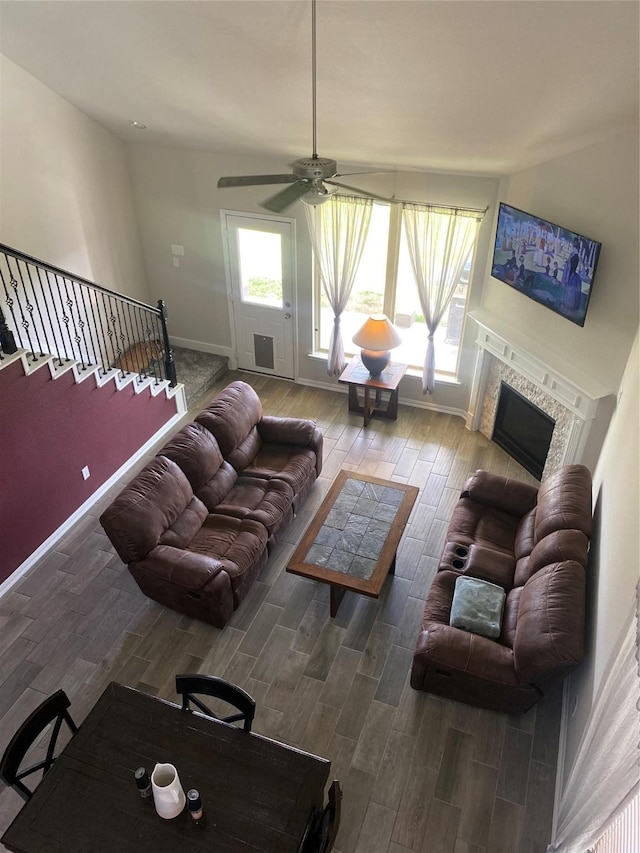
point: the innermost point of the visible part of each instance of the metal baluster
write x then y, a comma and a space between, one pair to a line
49, 326
40, 335
139, 333
10, 339
77, 319
23, 321
134, 350
64, 325
93, 328
104, 341
75, 339
122, 337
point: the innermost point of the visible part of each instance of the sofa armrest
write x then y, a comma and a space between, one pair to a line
177, 566
477, 561
501, 493
455, 651
300, 432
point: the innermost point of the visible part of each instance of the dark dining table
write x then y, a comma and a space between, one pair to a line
257, 793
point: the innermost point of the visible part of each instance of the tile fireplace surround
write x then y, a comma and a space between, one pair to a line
560, 390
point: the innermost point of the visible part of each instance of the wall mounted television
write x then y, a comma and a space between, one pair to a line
547, 263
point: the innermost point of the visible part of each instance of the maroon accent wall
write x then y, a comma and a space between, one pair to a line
49, 430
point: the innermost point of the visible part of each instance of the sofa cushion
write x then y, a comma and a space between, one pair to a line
238, 544
556, 547
475, 522
196, 452
477, 606
185, 527
266, 501
294, 465
151, 504
232, 417
524, 541
564, 502
510, 617
550, 631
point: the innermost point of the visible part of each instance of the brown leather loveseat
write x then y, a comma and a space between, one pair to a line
533, 543
198, 522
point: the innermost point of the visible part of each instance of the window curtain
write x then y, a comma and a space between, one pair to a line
338, 230
440, 240
606, 772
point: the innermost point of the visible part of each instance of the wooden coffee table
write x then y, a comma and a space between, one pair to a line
352, 541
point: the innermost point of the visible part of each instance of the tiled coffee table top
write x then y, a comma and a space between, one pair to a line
356, 528
351, 542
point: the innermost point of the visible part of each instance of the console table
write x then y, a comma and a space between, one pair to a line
380, 393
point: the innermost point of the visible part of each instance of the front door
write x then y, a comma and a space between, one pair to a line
260, 280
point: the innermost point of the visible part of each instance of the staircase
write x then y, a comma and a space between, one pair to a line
51, 317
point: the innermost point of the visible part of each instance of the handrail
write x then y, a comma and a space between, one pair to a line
50, 311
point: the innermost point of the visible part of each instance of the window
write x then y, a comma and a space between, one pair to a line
385, 284
260, 263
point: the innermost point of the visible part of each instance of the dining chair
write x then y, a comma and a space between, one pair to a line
52, 710
218, 688
324, 828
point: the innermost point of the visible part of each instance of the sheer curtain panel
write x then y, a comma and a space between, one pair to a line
440, 240
338, 230
605, 776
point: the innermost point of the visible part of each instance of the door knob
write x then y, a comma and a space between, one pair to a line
287, 316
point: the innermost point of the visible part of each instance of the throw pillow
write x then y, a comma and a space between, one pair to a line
477, 606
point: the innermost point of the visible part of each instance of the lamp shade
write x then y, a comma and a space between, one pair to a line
376, 337
377, 334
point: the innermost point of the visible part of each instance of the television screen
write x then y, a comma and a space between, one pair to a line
549, 264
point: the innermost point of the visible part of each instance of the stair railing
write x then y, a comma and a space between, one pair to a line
49, 311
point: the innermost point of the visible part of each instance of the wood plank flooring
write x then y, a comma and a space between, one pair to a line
419, 773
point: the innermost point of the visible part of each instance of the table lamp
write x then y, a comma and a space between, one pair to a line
376, 337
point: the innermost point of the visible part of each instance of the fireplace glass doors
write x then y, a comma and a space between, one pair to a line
523, 430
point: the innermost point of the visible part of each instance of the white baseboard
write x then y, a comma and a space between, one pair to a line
64, 528
201, 346
417, 404
562, 749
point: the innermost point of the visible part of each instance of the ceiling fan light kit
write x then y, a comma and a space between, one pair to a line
312, 177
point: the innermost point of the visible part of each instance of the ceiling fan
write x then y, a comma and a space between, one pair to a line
312, 178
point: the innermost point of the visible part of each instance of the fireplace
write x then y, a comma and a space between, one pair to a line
523, 430
551, 384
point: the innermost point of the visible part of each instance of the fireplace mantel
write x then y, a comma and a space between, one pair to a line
563, 384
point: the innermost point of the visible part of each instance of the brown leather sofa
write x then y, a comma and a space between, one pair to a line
533, 543
198, 523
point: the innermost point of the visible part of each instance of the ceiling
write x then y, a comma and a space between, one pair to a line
485, 87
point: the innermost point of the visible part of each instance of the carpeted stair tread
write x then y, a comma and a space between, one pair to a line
198, 371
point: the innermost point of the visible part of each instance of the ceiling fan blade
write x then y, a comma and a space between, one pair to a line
376, 172
255, 180
285, 198
358, 191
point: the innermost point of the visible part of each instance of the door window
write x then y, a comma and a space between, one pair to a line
260, 267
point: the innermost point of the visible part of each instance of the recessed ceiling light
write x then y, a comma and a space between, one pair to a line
138, 125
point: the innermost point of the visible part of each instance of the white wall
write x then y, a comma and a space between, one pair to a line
178, 202
614, 564
65, 192
593, 192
